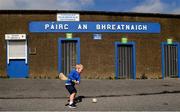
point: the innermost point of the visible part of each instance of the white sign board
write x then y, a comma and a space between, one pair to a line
97, 36
15, 36
68, 17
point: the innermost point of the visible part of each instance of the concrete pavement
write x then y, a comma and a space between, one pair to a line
112, 95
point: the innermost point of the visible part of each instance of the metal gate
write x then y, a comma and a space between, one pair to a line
125, 61
69, 55
170, 60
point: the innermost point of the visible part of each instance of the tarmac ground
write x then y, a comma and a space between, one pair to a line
111, 95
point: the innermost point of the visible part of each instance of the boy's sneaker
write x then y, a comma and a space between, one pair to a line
72, 106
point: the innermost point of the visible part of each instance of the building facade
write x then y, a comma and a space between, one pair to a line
104, 54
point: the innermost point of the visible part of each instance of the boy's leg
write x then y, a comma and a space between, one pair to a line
72, 103
71, 98
72, 90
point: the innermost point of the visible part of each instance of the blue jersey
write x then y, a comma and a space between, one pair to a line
74, 75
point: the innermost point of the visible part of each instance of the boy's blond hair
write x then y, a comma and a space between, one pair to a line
79, 66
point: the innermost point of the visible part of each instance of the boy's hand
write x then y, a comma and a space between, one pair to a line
76, 82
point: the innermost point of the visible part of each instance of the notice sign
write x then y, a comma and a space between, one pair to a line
113, 27
169, 41
68, 35
15, 36
97, 36
67, 17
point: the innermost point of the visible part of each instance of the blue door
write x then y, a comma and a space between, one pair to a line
17, 64
17, 69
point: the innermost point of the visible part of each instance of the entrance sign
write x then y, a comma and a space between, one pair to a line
68, 17
113, 27
15, 36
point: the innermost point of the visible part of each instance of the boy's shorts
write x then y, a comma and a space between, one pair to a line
71, 89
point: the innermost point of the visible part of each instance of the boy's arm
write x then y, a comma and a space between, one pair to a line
78, 80
74, 77
71, 77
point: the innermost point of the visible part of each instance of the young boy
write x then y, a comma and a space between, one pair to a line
73, 79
